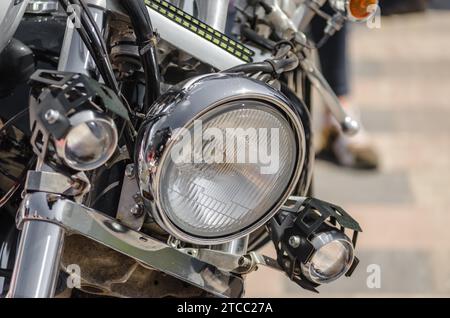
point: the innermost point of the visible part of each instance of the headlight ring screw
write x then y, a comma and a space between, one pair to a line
137, 210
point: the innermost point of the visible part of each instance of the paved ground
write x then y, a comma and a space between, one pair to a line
402, 83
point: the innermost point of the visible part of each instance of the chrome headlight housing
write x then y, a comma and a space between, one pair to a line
202, 188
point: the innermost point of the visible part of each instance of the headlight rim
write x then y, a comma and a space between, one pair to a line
153, 197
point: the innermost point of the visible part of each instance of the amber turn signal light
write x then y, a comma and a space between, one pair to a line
361, 9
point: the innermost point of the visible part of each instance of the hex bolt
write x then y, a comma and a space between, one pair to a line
287, 263
244, 262
77, 185
294, 241
137, 210
137, 198
129, 171
192, 252
51, 116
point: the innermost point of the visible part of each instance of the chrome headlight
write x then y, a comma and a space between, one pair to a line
356, 10
331, 259
203, 157
90, 141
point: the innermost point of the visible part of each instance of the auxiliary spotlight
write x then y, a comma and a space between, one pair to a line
311, 243
70, 116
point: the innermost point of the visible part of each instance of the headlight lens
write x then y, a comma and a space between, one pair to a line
221, 198
89, 143
332, 258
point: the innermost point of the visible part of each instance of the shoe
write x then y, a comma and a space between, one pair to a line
357, 152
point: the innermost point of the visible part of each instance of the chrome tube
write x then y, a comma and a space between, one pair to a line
305, 13
11, 13
348, 124
37, 264
235, 247
75, 56
42, 6
37, 261
213, 13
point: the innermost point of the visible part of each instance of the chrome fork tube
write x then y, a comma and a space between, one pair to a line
235, 247
37, 263
38, 257
75, 56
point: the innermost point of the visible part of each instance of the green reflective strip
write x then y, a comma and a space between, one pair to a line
201, 29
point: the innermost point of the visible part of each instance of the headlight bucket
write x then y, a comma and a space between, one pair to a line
197, 99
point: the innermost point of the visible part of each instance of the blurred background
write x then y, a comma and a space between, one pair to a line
401, 82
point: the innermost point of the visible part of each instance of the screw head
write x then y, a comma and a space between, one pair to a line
244, 262
294, 241
137, 210
137, 198
51, 116
129, 171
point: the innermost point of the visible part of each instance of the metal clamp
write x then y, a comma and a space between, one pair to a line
130, 211
52, 182
73, 217
42, 7
241, 264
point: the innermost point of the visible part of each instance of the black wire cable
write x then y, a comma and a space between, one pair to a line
91, 19
93, 40
251, 35
263, 67
2, 130
146, 41
99, 46
6, 273
18, 181
13, 119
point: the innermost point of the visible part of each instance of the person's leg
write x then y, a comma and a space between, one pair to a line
356, 151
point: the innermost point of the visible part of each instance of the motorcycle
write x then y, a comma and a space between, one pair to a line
148, 154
